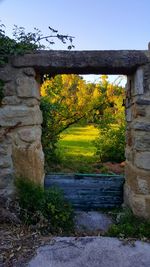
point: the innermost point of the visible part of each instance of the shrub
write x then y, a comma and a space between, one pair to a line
129, 226
50, 135
110, 144
44, 207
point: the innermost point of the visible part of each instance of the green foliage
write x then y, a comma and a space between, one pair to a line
47, 208
76, 150
20, 43
111, 143
129, 226
57, 210
110, 121
25, 42
66, 99
50, 135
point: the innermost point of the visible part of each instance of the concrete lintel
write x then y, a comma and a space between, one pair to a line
83, 62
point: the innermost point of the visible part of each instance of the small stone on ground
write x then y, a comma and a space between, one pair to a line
92, 221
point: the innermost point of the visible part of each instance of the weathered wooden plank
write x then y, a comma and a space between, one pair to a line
89, 191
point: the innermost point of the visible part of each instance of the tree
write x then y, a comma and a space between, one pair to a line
66, 99
110, 121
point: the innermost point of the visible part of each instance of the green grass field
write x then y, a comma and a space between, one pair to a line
76, 149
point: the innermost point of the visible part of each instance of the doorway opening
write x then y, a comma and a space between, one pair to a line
83, 127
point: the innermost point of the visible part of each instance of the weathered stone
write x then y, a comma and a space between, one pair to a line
129, 154
129, 137
147, 206
27, 87
144, 185
142, 160
138, 206
29, 163
5, 149
7, 73
9, 89
128, 115
146, 80
29, 72
83, 62
11, 100
142, 126
30, 134
143, 101
142, 142
137, 180
131, 177
5, 162
30, 102
138, 82
22, 115
138, 111
6, 177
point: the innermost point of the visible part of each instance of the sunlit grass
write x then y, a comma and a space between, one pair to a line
79, 141
77, 150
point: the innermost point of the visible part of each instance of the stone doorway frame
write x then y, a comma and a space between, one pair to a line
20, 116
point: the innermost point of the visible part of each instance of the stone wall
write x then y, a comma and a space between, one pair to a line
20, 128
20, 116
137, 174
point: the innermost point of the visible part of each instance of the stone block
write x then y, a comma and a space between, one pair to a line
7, 73
131, 177
129, 137
29, 72
5, 162
9, 89
138, 206
29, 162
142, 142
138, 111
5, 149
128, 115
11, 100
13, 115
129, 154
27, 87
6, 177
138, 82
30, 134
142, 160
137, 180
141, 126
147, 207
30, 102
143, 184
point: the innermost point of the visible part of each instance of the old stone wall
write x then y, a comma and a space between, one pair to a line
137, 186
20, 116
20, 128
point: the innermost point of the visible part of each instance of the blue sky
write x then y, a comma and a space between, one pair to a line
96, 24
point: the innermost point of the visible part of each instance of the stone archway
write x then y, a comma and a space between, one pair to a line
20, 116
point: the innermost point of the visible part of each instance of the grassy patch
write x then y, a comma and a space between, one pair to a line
77, 150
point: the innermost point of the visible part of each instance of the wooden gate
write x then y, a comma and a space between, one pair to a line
89, 191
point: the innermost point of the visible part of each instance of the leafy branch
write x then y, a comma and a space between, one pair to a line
23, 42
